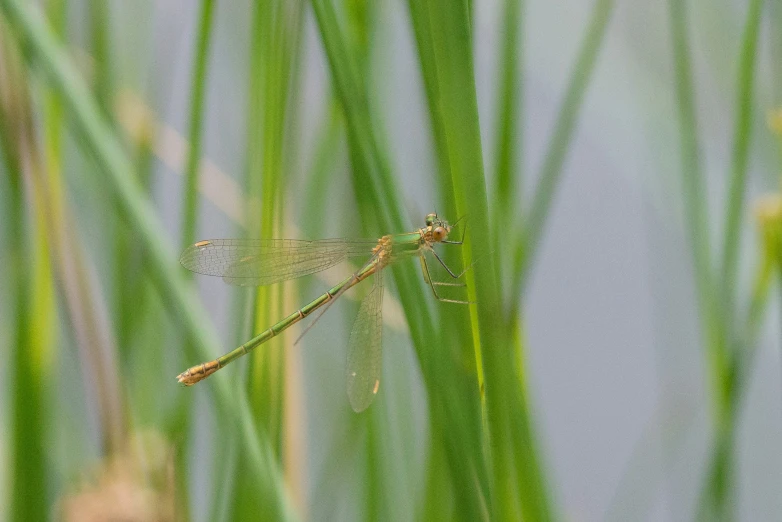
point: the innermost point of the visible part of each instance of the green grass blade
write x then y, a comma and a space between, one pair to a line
742, 133
448, 383
179, 296
330, 136
461, 334
726, 368
692, 173
26, 449
27, 398
371, 174
444, 39
198, 85
197, 97
509, 116
694, 192
100, 29
377, 502
275, 40
519, 487
558, 145
719, 490
53, 233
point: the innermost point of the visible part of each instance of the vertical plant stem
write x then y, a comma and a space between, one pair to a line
26, 448
779, 286
694, 192
179, 296
181, 428
198, 88
510, 118
775, 35
720, 486
275, 37
692, 173
444, 374
196, 124
741, 143
266, 375
465, 323
330, 136
100, 27
443, 32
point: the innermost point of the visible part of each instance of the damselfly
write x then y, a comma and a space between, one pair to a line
266, 261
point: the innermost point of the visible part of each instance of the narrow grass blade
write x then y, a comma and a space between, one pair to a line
742, 134
275, 40
510, 140
719, 489
198, 88
518, 488
52, 232
100, 31
316, 192
444, 374
197, 97
692, 173
28, 473
180, 297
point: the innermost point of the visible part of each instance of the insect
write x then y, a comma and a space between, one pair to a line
255, 262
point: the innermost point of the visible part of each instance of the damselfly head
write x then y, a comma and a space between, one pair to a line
439, 228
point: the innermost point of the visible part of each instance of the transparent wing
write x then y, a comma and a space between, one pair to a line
365, 351
254, 262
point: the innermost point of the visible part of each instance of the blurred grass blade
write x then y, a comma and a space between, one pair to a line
742, 133
28, 373
197, 96
275, 39
718, 315
372, 179
444, 39
448, 382
775, 45
692, 173
510, 138
180, 297
377, 502
718, 490
558, 146
198, 86
462, 333
100, 29
365, 149
329, 141
718, 494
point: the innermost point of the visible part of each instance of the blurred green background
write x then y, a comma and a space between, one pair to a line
618, 167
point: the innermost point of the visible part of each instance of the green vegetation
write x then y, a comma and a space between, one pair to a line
99, 317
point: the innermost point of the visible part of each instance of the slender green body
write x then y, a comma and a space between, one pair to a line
397, 245
201, 371
269, 261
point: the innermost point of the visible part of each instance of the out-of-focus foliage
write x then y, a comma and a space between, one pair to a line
108, 166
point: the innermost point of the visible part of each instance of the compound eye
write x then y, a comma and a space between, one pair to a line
439, 234
430, 219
